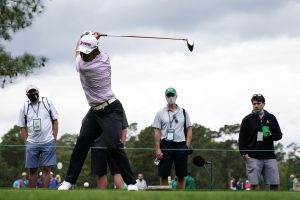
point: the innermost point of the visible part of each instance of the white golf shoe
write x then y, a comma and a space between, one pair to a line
132, 187
65, 186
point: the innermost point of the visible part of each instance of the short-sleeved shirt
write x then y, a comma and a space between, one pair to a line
168, 119
17, 183
141, 185
38, 111
95, 77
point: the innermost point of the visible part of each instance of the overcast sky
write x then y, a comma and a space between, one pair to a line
241, 48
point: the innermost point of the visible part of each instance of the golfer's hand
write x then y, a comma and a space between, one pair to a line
246, 157
97, 34
159, 154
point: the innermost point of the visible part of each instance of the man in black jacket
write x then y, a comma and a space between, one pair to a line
258, 132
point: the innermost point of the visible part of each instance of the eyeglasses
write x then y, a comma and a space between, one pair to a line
257, 95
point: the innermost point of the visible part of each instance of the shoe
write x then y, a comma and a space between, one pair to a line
132, 187
65, 186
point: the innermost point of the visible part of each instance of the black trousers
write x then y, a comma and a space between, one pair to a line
108, 123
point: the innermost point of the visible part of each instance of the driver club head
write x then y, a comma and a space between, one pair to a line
190, 45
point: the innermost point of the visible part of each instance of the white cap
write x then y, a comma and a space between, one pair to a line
87, 44
24, 174
31, 87
292, 176
41, 173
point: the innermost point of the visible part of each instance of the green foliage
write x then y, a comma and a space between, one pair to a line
16, 15
12, 158
218, 147
67, 140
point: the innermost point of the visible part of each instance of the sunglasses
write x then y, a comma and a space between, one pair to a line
257, 95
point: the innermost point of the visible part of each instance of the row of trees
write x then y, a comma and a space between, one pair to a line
219, 147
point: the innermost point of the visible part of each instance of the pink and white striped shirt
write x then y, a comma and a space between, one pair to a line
95, 77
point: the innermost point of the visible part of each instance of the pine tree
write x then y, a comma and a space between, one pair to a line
17, 15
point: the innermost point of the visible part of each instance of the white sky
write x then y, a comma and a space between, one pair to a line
241, 48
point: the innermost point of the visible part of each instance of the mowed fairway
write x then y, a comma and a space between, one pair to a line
10, 194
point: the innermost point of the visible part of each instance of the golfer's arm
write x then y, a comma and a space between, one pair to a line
77, 52
189, 135
157, 135
55, 128
24, 133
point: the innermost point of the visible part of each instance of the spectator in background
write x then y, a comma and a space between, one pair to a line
258, 131
240, 184
39, 128
53, 182
247, 185
101, 157
21, 182
40, 180
232, 184
172, 138
25, 180
291, 182
58, 178
174, 183
190, 183
169, 181
18, 183
296, 185
140, 182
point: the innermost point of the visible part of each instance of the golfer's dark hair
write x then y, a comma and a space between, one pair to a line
89, 57
258, 97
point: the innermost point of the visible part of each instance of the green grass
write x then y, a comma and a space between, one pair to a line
27, 194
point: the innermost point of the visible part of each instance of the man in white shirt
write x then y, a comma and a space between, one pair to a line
140, 182
39, 127
172, 137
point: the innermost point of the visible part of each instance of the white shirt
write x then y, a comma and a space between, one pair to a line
38, 111
169, 119
141, 185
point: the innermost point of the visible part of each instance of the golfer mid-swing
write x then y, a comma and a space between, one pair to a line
105, 115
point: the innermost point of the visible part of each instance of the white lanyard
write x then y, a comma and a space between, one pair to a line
37, 111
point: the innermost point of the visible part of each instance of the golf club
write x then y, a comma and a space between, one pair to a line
190, 44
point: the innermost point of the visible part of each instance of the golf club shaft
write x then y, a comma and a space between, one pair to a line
143, 37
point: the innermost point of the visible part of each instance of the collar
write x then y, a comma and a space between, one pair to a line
168, 109
265, 113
